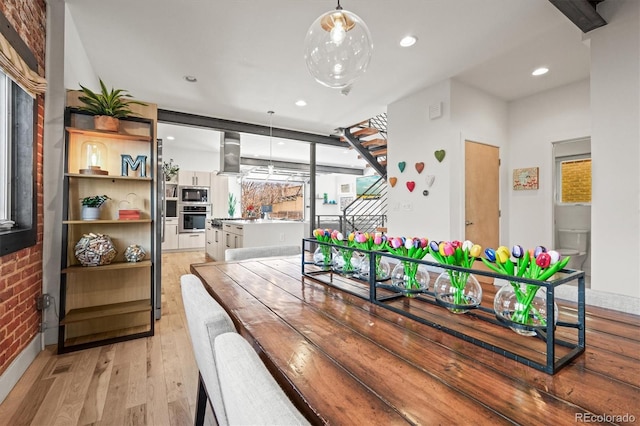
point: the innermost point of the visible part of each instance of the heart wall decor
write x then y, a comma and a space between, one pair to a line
402, 165
420, 167
411, 185
393, 181
439, 155
429, 179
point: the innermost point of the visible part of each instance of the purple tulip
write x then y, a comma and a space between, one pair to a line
517, 251
538, 250
433, 245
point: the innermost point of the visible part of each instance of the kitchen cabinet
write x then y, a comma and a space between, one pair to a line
191, 241
215, 245
220, 196
210, 247
112, 301
262, 232
194, 178
170, 235
233, 235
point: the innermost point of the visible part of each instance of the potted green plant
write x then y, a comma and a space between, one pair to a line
108, 106
91, 206
170, 170
232, 205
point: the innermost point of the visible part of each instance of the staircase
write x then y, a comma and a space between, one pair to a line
368, 212
369, 138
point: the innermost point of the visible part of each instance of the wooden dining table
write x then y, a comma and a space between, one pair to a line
344, 360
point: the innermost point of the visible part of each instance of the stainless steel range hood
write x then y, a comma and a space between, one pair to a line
229, 153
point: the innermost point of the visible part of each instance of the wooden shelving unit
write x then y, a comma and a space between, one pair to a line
113, 302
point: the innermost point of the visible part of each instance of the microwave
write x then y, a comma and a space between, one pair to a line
193, 194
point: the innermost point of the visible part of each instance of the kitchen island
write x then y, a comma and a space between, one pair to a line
238, 233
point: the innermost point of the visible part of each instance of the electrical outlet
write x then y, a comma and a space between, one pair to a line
43, 302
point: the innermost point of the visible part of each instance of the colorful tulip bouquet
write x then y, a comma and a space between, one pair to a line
372, 242
344, 262
456, 290
323, 255
522, 303
407, 274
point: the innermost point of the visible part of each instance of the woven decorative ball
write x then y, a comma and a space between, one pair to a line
95, 250
134, 253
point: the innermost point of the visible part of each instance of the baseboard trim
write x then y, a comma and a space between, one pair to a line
19, 365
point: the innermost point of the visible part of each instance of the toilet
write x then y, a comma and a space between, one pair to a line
574, 243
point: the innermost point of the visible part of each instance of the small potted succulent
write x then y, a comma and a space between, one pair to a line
91, 206
107, 106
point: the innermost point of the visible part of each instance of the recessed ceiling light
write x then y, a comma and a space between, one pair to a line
301, 103
540, 71
170, 138
280, 143
190, 78
408, 41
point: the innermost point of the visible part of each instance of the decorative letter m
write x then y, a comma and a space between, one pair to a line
127, 161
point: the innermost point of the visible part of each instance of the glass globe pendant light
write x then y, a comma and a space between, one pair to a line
337, 48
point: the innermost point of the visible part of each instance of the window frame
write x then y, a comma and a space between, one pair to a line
23, 146
558, 166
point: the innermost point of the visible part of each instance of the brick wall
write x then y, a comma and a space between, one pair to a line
21, 272
576, 181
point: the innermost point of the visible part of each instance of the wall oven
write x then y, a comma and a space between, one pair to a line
193, 218
194, 194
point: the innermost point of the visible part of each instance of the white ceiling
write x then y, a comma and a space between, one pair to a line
248, 54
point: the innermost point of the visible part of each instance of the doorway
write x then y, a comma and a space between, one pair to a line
572, 202
482, 194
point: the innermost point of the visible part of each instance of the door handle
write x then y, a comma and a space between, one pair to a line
467, 223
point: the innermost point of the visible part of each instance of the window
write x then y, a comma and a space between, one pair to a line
574, 183
17, 169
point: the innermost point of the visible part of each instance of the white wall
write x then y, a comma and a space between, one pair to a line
615, 147
413, 137
467, 114
482, 118
191, 159
535, 123
77, 68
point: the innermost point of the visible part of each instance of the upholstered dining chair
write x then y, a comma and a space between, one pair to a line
251, 395
206, 319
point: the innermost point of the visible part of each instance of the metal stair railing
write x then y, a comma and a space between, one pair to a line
368, 211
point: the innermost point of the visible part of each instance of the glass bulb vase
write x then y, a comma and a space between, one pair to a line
323, 256
523, 307
458, 291
346, 262
410, 277
383, 270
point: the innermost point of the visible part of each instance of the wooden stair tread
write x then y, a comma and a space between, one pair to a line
374, 142
379, 152
367, 131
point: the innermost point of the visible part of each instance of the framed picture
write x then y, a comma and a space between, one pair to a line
345, 188
526, 178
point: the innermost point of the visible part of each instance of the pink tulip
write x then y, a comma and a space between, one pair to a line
543, 260
449, 249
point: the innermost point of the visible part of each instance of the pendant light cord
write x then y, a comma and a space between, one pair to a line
270, 137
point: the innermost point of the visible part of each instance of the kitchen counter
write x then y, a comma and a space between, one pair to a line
238, 233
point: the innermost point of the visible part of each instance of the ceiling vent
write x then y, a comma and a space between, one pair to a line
230, 153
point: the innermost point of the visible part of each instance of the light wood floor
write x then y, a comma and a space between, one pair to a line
150, 381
